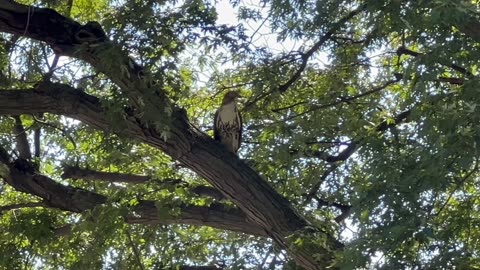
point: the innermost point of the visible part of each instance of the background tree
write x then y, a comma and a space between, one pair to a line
360, 150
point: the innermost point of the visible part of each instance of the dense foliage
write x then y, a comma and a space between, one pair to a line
360, 113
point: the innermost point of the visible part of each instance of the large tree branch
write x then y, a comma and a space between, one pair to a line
75, 172
197, 151
216, 215
21, 205
23, 146
59, 99
78, 200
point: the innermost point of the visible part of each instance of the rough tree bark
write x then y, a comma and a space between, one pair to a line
75, 172
238, 182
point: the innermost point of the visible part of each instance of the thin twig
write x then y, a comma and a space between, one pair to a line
135, 250
306, 56
403, 50
63, 131
316, 47
316, 187
475, 169
347, 99
69, 7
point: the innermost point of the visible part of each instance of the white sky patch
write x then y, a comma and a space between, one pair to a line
226, 13
261, 33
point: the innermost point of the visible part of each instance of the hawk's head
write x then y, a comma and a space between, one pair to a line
230, 97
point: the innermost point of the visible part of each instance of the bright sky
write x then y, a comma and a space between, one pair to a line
226, 13
263, 35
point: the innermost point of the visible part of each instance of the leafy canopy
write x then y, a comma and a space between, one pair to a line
363, 112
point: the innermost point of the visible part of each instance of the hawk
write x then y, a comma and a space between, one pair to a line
227, 124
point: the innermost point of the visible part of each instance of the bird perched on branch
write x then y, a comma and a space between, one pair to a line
227, 124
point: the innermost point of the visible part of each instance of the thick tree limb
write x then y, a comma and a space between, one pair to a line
59, 99
75, 172
450, 80
23, 146
21, 205
200, 153
78, 200
216, 216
